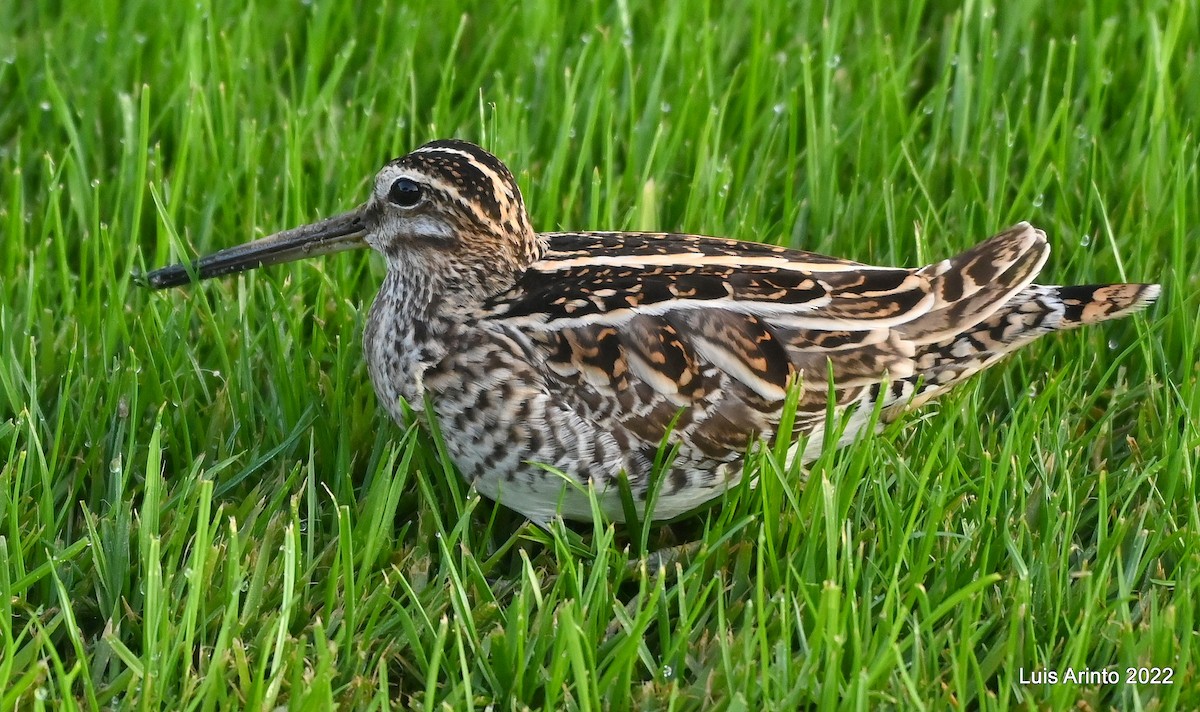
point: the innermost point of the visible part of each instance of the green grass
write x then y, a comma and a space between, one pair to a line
202, 506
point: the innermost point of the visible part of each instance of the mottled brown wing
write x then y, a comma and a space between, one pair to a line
636, 331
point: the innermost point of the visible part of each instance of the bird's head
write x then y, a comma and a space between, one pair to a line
448, 210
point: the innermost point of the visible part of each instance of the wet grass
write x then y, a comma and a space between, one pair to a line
202, 506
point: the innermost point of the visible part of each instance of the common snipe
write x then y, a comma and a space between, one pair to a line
578, 352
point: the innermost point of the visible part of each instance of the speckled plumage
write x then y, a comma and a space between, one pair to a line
555, 360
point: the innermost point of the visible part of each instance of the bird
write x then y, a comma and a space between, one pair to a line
559, 365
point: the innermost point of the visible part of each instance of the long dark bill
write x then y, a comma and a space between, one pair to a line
335, 234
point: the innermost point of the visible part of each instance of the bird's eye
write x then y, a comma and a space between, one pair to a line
405, 192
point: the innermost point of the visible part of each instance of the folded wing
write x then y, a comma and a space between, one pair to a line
640, 332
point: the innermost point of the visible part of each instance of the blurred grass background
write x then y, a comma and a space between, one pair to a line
202, 507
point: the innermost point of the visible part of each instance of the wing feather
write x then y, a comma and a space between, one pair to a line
639, 330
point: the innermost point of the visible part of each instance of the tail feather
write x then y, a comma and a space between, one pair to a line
1093, 303
1035, 311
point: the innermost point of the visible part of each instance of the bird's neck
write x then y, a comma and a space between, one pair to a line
416, 314
401, 337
